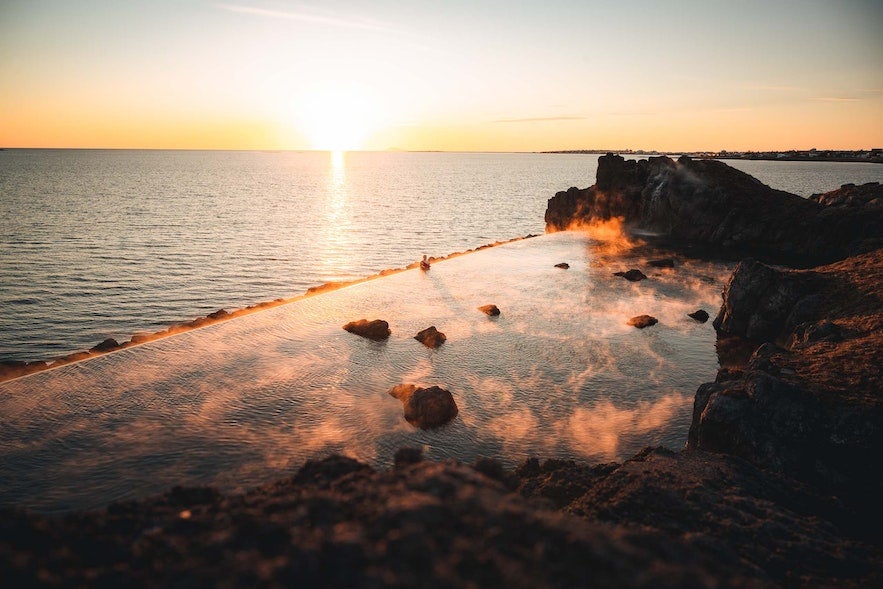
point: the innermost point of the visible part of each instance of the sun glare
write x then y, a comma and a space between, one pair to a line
337, 117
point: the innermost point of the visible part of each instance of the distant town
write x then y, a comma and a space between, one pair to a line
818, 155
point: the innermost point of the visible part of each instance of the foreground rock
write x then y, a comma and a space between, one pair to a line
708, 202
642, 321
489, 310
376, 330
662, 519
563, 265
426, 408
431, 337
809, 402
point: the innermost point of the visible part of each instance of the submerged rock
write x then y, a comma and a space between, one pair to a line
376, 330
631, 275
425, 408
431, 337
642, 321
490, 310
701, 315
662, 263
563, 265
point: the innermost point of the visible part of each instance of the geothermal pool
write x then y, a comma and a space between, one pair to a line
239, 403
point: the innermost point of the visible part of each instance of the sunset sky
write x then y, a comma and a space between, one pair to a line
433, 75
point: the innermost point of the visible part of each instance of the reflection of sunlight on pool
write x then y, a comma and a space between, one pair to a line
557, 374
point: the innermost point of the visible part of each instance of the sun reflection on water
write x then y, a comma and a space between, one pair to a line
336, 244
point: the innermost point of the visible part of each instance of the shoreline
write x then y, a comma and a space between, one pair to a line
12, 369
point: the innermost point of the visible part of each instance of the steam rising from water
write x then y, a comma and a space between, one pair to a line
238, 403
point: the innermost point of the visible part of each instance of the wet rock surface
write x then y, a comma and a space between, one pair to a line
376, 329
489, 310
708, 202
426, 408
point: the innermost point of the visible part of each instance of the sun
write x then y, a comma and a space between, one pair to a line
337, 117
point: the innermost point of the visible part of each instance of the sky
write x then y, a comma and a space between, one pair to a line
442, 75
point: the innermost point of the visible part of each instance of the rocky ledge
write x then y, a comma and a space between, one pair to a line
707, 202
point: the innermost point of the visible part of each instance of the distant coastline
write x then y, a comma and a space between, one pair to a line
872, 156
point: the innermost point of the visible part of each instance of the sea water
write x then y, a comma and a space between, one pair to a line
103, 243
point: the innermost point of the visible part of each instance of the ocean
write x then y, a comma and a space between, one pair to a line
108, 243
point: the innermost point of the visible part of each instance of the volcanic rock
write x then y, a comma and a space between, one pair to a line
642, 321
430, 337
563, 265
376, 330
631, 275
701, 315
490, 310
425, 408
708, 202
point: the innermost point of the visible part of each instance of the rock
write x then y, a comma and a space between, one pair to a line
490, 310
430, 337
631, 275
707, 202
850, 195
813, 410
425, 408
642, 321
701, 315
563, 265
407, 456
758, 300
823, 331
219, 314
106, 346
376, 330
662, 263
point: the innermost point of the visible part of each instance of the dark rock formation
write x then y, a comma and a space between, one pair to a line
338, 523
707, 202
425, 408
430, 337
563, 265
631, 275
701, 315
642, 321
662, 263
376, 330
219, 314
809, 402
106, 346
850, 195
784, 531
490, 310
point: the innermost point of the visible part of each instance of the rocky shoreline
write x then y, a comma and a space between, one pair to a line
778, 486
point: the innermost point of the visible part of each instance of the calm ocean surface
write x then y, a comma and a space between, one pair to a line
97, 244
